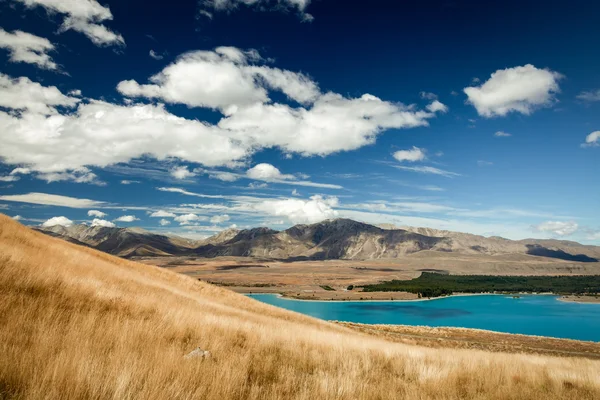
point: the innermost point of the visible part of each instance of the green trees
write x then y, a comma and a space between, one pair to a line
434, 285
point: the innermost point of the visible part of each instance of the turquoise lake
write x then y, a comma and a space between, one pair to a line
531, 314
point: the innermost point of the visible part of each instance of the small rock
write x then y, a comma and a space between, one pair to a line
198, 353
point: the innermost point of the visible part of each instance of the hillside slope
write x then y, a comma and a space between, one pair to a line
327, 240
77, 323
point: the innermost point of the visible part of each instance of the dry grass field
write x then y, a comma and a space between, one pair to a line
304, 279
79, 324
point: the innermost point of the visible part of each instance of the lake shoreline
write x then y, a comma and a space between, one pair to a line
284, 297
579, 299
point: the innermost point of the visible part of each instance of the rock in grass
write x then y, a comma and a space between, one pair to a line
198, 353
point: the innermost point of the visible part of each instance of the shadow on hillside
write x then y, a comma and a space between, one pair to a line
537, 250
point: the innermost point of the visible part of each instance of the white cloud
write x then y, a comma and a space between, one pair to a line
230, 80
519, 89
428, 95
437, 106
58, 144
267, 172
187, 193
254, 185
412, 155
297, 211
127, 218
9, 178
20, 171
52, 200
428, 170
182, 172
219, 219
162, 214
128, 182
295, 193
155, 55
592, 140
590, 96
333, 123
96, 213
187, 219
502, 134
103, 223
221, 79
559, 228
62, 221
164, 222
84, 16
224, 176
23, 94
229, 5
17, 218
28, 48
77, 175
100, 134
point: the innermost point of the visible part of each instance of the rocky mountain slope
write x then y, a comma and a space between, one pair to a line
331, 239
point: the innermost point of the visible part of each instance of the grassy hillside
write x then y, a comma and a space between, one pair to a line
76, 323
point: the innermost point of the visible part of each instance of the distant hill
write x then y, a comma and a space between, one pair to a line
330, 239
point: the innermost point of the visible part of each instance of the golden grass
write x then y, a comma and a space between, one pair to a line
76, 324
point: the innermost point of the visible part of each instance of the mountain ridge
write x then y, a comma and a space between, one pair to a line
329, 239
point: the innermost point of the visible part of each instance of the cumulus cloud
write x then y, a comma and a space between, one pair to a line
52, 200
592, 140
22, 94
267, 172
100, 134
589, 96
164, 222
96, 213
187, 219
219, 219
102, 223
83, 16
221, 79
299, 211
127, 218
412, 155
519, 89
182, 172
559, 228
162, 214
60, 136
27, 48
17, 218
437, 106
502, 134
62, 221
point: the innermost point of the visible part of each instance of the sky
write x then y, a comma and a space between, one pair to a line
195, 116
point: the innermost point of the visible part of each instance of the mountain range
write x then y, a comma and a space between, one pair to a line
330, 239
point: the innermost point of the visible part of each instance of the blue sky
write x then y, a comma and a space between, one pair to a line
190, 117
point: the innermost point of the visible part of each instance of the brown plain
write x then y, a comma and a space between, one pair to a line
305, 279
79, 324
